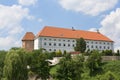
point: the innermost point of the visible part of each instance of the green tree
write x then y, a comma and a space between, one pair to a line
70, 69
80, 45
94, 62
15, 65
39, 65
2, 58
58, 53
109, 76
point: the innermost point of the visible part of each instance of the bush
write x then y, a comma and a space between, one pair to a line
58, 53
108, 53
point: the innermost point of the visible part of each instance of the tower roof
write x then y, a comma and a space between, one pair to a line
28, 36
49, 31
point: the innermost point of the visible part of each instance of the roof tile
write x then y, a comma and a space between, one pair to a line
28, 36
49, 31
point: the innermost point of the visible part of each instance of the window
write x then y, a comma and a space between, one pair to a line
54, 39
54, 44
108, 47
63, 44
68, 45
50, 39
59, 44
87, 42
59, 40
100, 47
45, 43
73, 40
68, 40
54, 49
63, 40
96, 42
100, 42
92, 46
87, 46
104, 47
50, 44
108, 43
104, 42
45, 39
50, 50
73, 45
96, 47
91, 42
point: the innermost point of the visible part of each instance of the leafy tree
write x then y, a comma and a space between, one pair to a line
58, 53
118, 53
108, 53
109, 76
80, 45
2, 57
70, 69
94, 63
15, 65
39, 65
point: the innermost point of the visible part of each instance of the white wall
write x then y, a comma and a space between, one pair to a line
53, 44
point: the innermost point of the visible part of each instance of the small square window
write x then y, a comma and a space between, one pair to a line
68, 45
45, 39
50, 44
59, 44
63, 40
92, 46
50, 50
73, 45
54, 44
45, 43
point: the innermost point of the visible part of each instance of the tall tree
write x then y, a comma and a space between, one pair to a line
15, 65
2, 57
80, 45
39, 65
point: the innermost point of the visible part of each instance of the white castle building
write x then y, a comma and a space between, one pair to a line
54, 39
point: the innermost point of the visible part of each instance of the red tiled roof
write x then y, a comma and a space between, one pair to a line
28, 36
49, 31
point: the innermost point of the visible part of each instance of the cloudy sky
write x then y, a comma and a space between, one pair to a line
19, 16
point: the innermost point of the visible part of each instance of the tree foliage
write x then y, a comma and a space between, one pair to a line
80, 45
94, 63
39, 64
2, 58
70, 69
15, 65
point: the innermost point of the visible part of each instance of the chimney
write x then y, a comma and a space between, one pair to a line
98, 31
73, 29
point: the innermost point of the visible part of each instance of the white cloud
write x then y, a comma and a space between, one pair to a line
92, 29
111, 27
10, 25
27, 2
90, 7
40, 20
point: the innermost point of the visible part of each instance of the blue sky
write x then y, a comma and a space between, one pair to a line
19, 16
